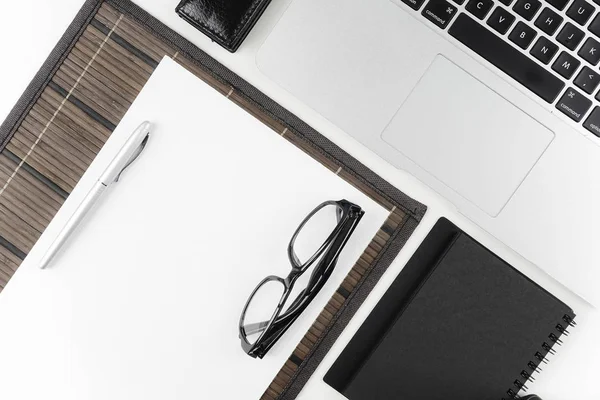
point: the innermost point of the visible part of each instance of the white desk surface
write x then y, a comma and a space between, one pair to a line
30, 29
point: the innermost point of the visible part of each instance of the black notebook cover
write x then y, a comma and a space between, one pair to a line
459, 324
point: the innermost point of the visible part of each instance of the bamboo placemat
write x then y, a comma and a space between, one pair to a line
78, 98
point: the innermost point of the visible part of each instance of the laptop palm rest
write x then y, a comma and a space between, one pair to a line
449, 127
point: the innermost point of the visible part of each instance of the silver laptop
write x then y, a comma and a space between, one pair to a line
492, 103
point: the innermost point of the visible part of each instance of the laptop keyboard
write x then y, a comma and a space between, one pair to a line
552, 47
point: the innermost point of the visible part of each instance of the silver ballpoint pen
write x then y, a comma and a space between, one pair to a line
130, 151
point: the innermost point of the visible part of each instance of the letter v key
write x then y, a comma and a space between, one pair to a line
501, 20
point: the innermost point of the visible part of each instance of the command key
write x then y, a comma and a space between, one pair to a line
440, 12
573, 104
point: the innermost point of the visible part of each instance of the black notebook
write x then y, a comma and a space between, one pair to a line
458, 323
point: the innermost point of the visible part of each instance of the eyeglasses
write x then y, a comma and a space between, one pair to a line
277, 302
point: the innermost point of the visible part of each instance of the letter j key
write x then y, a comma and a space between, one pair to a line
570, 36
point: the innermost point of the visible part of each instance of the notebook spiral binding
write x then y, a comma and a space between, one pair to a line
539, 357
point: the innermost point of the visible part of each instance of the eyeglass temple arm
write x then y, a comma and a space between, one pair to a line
256, 327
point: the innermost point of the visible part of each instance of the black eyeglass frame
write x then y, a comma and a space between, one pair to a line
348, 216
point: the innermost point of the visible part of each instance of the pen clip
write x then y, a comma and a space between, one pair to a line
133, 157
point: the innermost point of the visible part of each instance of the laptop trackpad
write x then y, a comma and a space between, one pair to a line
466, 136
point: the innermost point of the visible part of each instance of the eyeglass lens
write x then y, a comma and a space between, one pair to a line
261, 308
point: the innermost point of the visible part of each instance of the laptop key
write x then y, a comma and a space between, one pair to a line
592, 123
548, 21
501, 20
570, 36
590, 51
479, 8
595, 26
414, 4
440, 12
587, 80
527, 8
506, 58
566, 65
544, 50
573, 104
558, 4
580, 11
522, 35
506, 2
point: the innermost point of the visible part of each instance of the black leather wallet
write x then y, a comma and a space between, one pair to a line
226, 22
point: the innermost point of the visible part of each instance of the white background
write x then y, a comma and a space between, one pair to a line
28, 32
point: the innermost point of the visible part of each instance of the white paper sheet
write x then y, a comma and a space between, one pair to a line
144, 301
